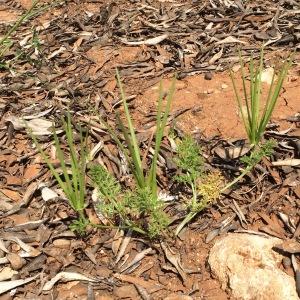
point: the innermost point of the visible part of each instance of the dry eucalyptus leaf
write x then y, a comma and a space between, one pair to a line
289, 246
117, 241
97, 200
41, 114
66, 276
148, 42
174, 259
37, 126
137, 259
230, 39
57, 52
9, 285
124, 245
287, 162
232, 152
30, 251
7, 273
216, 57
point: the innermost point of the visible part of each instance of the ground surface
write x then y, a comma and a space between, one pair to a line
67, 58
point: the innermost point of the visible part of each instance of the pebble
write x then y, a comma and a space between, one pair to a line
286, 261
224, 86
208, 76
209, 91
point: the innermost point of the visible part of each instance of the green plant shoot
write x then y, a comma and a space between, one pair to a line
133, 154
256, 116
71, 179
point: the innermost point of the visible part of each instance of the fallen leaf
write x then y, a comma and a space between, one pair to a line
289, 246
230, 39
124, 245
7, 273
216, 57
287, 162
31, 171
37, 126
148, 42
174, 259
137, 258
13, 195
66, 276
232, 152
9, 285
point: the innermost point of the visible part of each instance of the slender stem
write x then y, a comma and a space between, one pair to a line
188, 218
230, 184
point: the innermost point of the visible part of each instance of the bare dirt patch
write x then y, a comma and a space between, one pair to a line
212, 106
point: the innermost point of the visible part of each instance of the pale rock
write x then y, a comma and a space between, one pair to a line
267, 75
224, 86
209, 91
236, 68
247, 266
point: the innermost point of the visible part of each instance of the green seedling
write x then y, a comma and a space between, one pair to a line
132, 150
255, 117
71, 178
256, 155
142, 202
109, 191
189, 160
113, 202
205, 187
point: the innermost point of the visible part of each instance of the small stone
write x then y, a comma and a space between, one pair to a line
224, 86
247, 265
235, 68
267, 75
208, 76
286, 262
210, 91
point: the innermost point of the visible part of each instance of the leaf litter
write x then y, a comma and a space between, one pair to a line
56, 70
